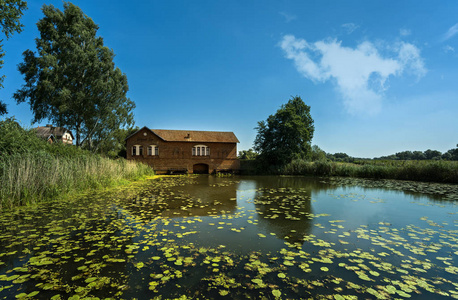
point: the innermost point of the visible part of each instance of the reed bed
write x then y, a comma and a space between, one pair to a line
433, 171
33, 177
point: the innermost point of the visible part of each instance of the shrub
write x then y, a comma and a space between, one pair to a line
432, 170
323, 168
31, 170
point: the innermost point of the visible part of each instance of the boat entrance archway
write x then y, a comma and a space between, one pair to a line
200, 169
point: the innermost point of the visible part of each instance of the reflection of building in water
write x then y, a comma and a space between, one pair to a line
283, 205
202, 196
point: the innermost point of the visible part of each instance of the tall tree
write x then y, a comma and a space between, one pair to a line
249, 154
432, 154
317, 153
114, 145
10, 13
72, 81
286, 135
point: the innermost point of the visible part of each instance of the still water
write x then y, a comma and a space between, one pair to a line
204, 237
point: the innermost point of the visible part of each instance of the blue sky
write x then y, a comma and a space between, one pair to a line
380, 76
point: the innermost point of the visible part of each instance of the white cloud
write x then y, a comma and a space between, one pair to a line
349, 27
288, 17
452, 31
448, 49
359, 73
405, 32
410, 58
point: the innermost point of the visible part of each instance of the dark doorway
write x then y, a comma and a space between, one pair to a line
200, 169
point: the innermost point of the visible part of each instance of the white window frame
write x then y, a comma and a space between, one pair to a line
136, 150
200, 150
153, 150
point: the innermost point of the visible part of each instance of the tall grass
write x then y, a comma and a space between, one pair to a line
31, 170
434, 171
33, 177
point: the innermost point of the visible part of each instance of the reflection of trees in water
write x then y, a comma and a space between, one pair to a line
183, 196
284, 205
314, 184
437, 192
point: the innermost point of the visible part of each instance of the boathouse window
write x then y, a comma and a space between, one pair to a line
153, 150
201, 150
137, 150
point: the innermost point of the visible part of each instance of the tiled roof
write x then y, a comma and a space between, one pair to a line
46, 131
196, 136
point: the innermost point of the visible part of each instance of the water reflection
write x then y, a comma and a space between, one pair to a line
198, 196
437, 192
283, 206
206, 237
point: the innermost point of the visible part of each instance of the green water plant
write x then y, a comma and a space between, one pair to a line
129, 243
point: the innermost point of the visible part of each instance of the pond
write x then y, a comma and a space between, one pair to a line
205, 237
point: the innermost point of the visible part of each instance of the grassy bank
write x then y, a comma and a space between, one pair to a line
33, 177
32, 170
433, 171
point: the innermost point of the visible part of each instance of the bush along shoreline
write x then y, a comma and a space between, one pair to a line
439, 171
32, 171
429, 171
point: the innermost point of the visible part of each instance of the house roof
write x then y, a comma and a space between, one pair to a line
193, 136
196, 136
46, 131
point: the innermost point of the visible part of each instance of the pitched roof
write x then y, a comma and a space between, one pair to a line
192, 136
196, 136
46, 131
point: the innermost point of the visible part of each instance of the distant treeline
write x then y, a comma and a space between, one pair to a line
427, 170
451, 154
431, 166
32, 170
429, 154
318, 154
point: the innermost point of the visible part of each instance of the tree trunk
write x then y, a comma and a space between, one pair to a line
78, 134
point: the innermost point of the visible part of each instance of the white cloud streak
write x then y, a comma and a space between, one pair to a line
452, 31
359, 73
288, 17
448, 49
349, 27
405, 32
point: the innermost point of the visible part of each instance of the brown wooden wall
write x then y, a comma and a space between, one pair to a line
178, 155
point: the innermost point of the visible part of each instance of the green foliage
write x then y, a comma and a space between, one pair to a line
286, 135
317, 153
32, 170
115, 144
433, 171
451, 154
10, 13
72, 80
249, 154
15, 139
429, 154
3, 109
342, 157
432, 154
36, 176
